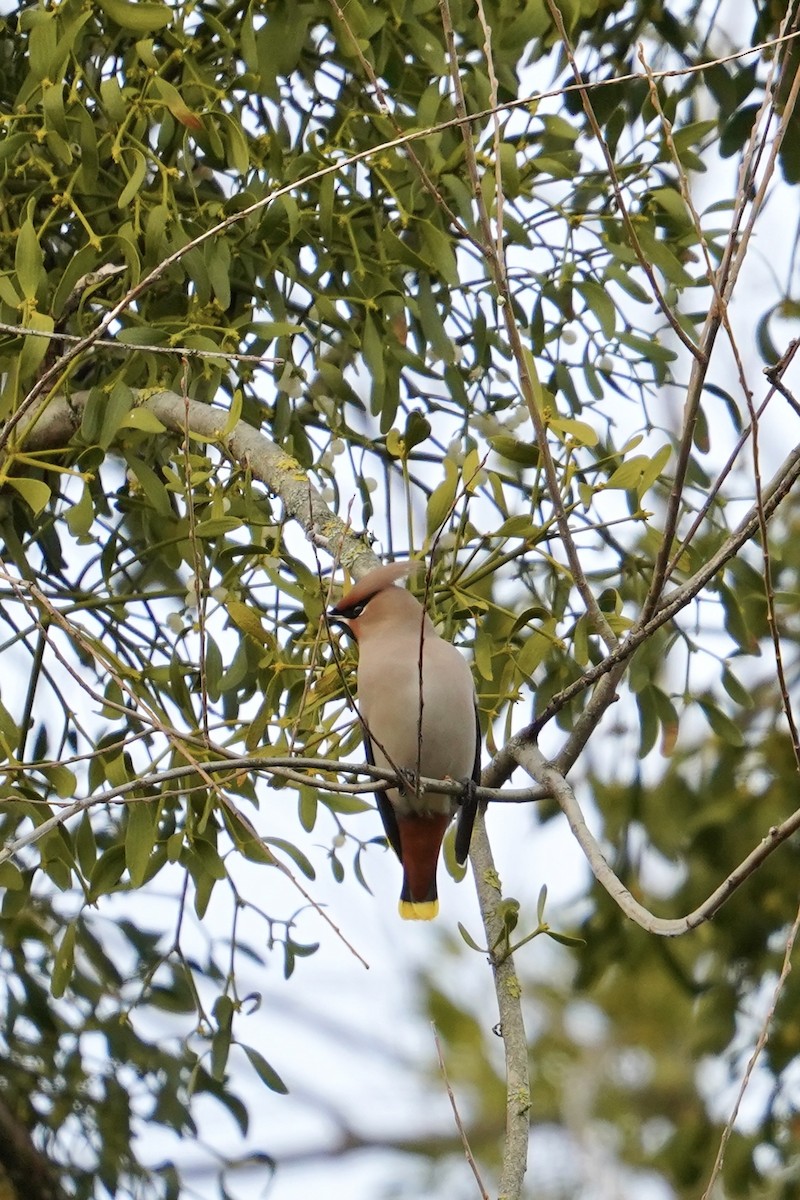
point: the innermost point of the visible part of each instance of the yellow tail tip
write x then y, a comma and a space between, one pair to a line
411, 911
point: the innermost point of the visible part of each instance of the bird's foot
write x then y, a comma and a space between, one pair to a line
468, 794
410, 781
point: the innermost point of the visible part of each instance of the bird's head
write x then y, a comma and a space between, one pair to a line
375, 605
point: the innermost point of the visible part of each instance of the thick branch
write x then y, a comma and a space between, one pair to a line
512, 1026
29, 1173
53, 424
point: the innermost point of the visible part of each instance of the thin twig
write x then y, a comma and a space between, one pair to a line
499, 198
529, 383
754, 1057
732, 259
630, 230
753, 428
673, 602
457, 1118
769, 592
387, 111
199, 588
188, 352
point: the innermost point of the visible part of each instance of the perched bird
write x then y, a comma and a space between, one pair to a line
395, 635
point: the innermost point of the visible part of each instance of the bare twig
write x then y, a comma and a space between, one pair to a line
769, 592
754, 1057
187, 352
534, 762
499, 198
457, 1118
722, 307
199, 589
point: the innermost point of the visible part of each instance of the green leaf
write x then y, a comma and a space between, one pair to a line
152, 485
418, 429
103, 414
248, 620
34, 492
142, 419
113, 100
107, 872
648, 721
11, 877
565, 939
442, 498
721, 723
35, 348
524, 453
62, 779
135, 178
64, 961
579, 431
630, 473
204, 852
138, 16
470, 941
736, 690
265, 1072
307, 808
431, 322
672, 203
245, 838
174, 101
440, 252
600, 304
653, 471
221, 1041
80, 517
86, 845
140, 837
29, 261
532, 653
294, 854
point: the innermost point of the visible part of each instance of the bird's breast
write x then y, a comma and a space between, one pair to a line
391, 692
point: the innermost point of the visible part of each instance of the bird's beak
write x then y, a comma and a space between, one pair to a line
334, 620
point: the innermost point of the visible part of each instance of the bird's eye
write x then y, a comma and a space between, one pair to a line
355, 610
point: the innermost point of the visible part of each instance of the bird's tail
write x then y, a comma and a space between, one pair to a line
420, 840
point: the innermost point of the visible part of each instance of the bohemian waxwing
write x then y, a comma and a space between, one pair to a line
394, 633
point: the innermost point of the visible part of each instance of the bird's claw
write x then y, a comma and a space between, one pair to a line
467, 795
410, 780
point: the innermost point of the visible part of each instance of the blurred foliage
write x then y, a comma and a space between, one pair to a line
158, 613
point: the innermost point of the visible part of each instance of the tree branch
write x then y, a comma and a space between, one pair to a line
531, 758
52, 424
512, 1027
30, 1175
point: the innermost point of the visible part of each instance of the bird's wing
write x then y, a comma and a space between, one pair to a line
469, 801
385, 807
